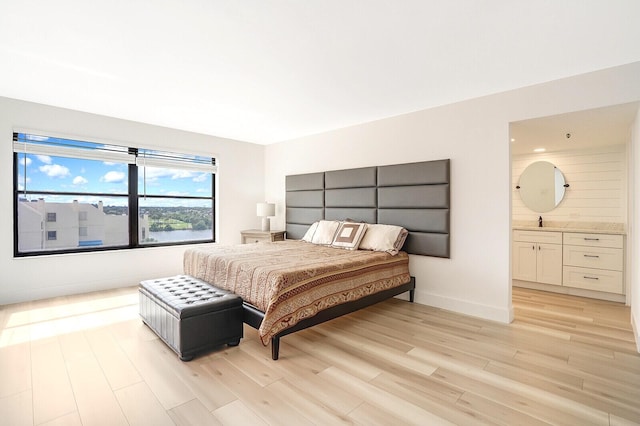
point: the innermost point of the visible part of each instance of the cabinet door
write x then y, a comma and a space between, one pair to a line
549, 263
524, 261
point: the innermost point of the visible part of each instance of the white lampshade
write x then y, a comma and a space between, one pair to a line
266, 209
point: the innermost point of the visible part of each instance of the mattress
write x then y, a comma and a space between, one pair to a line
293, 280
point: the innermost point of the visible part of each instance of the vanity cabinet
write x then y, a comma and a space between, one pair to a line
588, 264
537, 256
593, 262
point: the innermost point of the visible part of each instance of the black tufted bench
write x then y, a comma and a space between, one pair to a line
190, 315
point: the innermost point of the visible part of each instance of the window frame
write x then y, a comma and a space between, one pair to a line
132, 197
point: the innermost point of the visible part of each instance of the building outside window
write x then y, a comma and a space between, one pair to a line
96, 196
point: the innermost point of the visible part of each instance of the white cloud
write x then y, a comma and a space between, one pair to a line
113, 177
201, 177
54, 170
154, 173
44, 159
21, 182
79, 180
181, 174
25, 161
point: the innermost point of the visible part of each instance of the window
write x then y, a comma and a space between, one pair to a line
175, 198
85, 196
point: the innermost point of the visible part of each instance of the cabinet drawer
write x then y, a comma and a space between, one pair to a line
593, 257
593, 279
248, 239
593, 240
538, 236
256, 236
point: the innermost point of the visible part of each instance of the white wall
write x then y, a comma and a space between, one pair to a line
240, 187
474, 134
597, 179
633, 236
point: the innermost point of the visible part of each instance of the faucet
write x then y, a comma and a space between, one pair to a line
540, 222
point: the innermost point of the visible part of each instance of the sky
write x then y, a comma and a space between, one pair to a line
61, 174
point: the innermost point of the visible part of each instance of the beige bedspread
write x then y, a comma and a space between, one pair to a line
293, 280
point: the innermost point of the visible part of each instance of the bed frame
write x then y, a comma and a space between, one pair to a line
253, 316
413, 195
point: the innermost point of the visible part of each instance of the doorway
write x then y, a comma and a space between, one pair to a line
591, 150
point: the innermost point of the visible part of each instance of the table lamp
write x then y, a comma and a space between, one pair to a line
265, 210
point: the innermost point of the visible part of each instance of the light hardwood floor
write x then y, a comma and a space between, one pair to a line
89, 360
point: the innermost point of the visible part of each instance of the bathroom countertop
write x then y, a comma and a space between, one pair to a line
590, 227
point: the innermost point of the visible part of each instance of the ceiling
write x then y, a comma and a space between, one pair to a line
265, 71
577, 130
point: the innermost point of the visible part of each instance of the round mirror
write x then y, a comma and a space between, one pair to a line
542, 186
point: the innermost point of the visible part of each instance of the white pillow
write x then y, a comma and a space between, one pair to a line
389, 238
308, 236
325, 232
349, 235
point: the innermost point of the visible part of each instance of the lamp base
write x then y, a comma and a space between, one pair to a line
266, 225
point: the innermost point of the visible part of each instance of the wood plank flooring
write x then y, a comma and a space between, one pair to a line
89, 360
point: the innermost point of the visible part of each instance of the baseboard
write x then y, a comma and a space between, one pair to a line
60, 291
465, 307
611, 297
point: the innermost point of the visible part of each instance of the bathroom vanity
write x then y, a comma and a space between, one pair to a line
581, 259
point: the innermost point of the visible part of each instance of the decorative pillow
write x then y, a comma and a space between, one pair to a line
389, 238
325, 232
308, 236
349, 235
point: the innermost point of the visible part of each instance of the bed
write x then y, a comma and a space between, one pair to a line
292, 285
284, 283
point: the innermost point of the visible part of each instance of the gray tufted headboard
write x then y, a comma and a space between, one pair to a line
412, 195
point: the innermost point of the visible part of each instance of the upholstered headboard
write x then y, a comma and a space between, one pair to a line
412, 195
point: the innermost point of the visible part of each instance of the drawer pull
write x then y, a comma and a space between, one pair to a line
591, 239
590, 278
591, 255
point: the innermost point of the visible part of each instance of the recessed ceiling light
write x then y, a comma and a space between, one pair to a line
513, 139
539, 150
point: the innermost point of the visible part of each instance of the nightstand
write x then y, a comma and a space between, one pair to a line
256, 236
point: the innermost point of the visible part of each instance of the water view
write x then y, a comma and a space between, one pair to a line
181, 235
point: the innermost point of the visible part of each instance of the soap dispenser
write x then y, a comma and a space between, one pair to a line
540, 222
